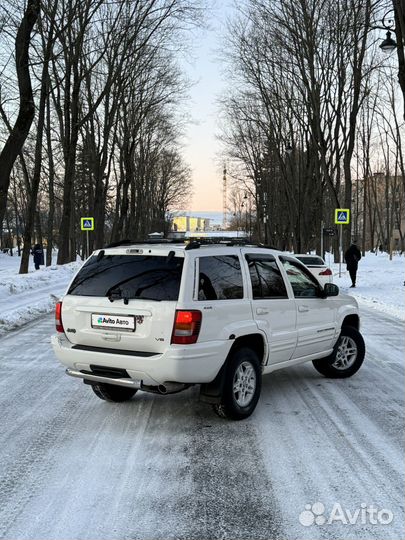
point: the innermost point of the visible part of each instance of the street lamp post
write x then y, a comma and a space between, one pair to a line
250, 219
263, 183
289, 151
245, 200
388, 45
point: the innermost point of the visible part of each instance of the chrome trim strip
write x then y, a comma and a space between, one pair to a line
130, 383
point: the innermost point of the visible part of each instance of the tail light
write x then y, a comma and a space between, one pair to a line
186, 327
327, 272
58, 317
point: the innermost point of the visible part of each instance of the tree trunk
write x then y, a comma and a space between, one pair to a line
33, 198
18, 135
51, 192
10, 238
65, 252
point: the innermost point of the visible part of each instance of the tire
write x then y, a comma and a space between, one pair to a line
243, 372
347, 356
111, 392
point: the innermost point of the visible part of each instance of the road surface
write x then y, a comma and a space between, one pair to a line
75, 467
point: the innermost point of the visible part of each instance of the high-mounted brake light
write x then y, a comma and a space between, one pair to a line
58, 318
327, 272
186, 327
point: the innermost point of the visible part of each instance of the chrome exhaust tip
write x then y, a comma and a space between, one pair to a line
166, 388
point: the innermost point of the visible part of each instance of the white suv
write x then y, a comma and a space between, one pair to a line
162, 317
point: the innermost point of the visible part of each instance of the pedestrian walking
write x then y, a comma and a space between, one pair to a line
38, 254
352, 257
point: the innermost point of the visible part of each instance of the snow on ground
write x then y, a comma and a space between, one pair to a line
379, 285
25, 297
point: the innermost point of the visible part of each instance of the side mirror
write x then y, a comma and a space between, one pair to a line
330, 289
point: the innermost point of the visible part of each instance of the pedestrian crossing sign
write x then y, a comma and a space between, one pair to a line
87, 223
342, 216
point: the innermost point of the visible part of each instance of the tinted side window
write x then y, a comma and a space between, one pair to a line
302, 282
220, 278
267, 281
254, 278
136, 276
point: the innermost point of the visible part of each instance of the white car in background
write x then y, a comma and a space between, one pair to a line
317, 266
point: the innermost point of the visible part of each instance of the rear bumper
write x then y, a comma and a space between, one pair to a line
197, 363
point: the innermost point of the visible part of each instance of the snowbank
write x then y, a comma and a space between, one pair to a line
25, 297
379, 285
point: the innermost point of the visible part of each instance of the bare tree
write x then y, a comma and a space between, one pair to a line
108, 133
32, 211
15, 141
300, 73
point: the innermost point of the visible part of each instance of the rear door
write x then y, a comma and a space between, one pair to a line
274, 312
316, 316
124, 300
220, 294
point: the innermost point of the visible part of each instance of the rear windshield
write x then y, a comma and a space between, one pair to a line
311, 261
130, 276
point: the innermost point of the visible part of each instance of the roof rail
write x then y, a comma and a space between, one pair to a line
192, 245
265, 246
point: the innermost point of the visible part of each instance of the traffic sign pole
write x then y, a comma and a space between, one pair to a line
87, 224
342, 217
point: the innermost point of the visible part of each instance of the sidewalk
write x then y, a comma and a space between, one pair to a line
380, 283
25, 297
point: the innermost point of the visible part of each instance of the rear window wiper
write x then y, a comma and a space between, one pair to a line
118, 294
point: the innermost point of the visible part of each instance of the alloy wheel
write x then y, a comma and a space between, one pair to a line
346, 353
244, 384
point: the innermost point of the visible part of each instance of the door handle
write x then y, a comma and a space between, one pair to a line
262, 311
303, 309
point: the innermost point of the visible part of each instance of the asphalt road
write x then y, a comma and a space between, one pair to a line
75, 467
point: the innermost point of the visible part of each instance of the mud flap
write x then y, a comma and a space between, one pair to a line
212, 392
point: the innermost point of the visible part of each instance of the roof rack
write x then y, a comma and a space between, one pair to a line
218, 239
149, 241
193, 242
196, 243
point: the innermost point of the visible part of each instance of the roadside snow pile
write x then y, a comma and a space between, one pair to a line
25, 297
379, 285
